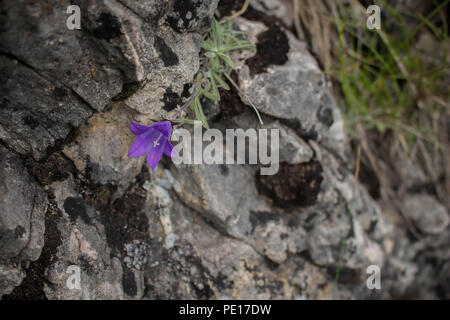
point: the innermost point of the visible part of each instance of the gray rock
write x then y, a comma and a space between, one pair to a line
136, 252
22, 205
292, 148
36, 114
294, 91
35, 33
282, 9
183, 231
426, 213
222, 193
151, 10
191, 15
10, 277
174, 62
84, 245
101, 150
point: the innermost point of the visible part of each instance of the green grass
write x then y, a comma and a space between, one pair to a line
382, 81
384, 85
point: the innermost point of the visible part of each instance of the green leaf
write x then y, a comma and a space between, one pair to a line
227, 59
199, 112
187, 121
210, 54
213, 83
221, 82
207, 45
210, 96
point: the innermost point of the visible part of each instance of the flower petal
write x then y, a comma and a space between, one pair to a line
154, 155
137, 128
169, 150
143, 143
164, 127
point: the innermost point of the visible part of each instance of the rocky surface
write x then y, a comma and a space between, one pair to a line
23, 203
70, 196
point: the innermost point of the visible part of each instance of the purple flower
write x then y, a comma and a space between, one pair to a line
153, 140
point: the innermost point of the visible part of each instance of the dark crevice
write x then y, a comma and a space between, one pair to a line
295, 185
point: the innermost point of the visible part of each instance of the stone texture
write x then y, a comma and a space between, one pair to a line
22, 206
36, 114
10, 277
294, 91
173, 65
281, 9
35, 33
426, 213
292, 148
184, 231
101, 149
191, 15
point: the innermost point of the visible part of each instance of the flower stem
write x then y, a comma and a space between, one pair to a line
184, 106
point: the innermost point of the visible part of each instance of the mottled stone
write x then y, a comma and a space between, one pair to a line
294, 91
191, 15
22, 206
174, 64
149, 10
292, 148
426, 213
36, 34
10, 277
101, 149
36, 115
185, 231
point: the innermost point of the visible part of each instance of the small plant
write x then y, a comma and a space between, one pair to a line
220, 40
216, 65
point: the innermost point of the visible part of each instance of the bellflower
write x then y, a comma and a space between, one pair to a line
153, 141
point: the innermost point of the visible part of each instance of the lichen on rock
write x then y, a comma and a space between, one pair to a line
70, 195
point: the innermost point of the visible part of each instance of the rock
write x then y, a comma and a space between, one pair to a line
174, 64
426, 213
36, 115
85, 246
288, 84
202, 263
101, 149
222, 193
122, 35
149, 10
292, 148
191, 15
136, 255
35, 33
22, 206
444, 279
184, 231
281, 9
10, 277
